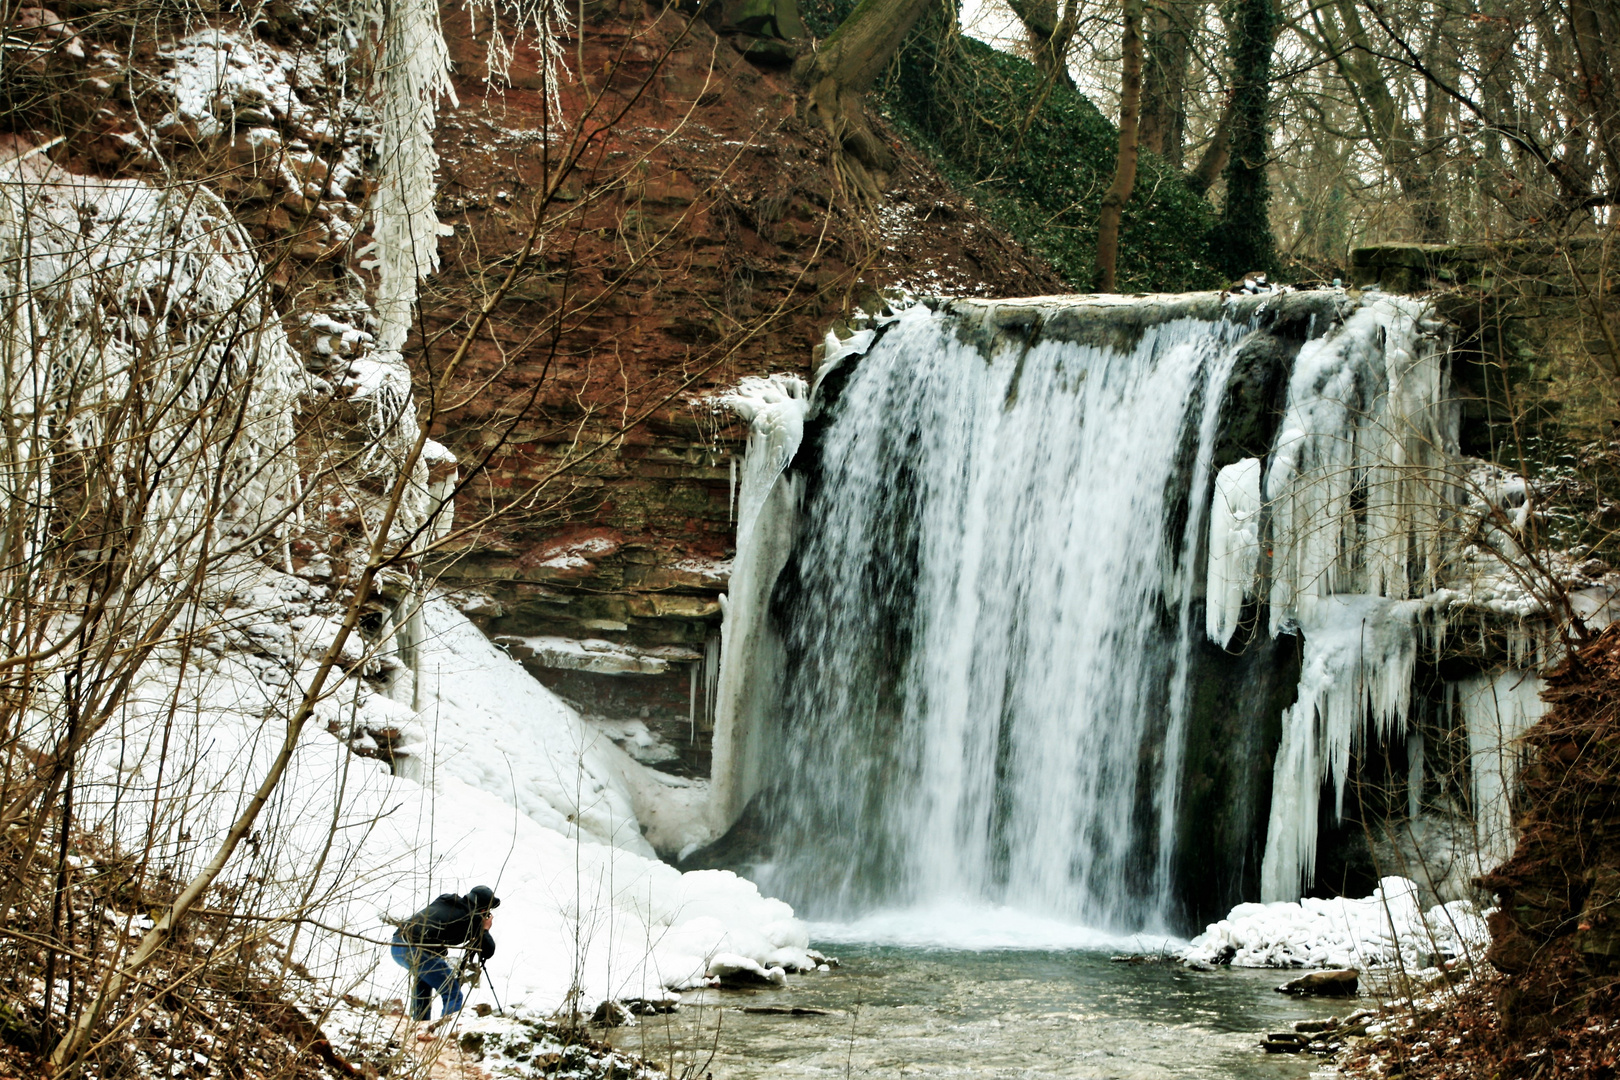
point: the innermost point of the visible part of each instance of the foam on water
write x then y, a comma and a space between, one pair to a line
982, 928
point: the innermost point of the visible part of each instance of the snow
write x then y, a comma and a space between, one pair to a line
213, 74
1385, 928
1234, 547
517, 793
1360, 654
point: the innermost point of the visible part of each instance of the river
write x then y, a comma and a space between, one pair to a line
907, 1011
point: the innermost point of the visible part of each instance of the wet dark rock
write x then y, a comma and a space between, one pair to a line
1337, 983
785, 1010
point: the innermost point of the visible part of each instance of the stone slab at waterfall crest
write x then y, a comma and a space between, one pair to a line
974, 608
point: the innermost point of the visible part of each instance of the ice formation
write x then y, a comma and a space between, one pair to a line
1385, 928
767, 508
1357, 486
1496, 710
405, 229
1360, 653
1234, 547
94, 272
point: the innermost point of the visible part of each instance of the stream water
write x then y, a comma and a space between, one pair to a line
906, 1011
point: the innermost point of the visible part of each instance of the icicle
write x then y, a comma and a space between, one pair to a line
1360, 654
1234, 547
731, 494
1414, 774
711, 678
691, 699
1496, 711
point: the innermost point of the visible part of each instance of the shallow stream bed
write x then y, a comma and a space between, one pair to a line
906, 1012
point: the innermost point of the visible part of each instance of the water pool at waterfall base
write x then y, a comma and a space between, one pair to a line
907, 1011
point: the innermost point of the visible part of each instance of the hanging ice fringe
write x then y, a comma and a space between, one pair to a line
415, 80
540, 22
405, 231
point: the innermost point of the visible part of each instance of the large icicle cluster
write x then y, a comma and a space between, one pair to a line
1360, 653
1357, 485
405, 229
137, 326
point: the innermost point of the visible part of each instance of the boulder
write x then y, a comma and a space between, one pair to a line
1339, 983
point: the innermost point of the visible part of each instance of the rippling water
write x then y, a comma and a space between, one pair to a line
905, 1011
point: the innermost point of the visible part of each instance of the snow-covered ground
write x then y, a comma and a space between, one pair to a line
514, 792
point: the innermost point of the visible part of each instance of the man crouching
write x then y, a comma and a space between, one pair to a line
422, 942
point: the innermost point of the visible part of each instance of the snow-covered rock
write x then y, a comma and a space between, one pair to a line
1380, 929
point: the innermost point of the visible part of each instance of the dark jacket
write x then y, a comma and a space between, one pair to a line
450, 921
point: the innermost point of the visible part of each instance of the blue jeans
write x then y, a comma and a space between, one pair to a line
429, 972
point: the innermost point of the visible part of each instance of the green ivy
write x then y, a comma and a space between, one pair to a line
1037, 158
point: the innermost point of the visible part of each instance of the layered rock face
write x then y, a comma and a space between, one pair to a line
705, 237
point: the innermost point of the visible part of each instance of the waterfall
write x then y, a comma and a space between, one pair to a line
1025, 538
987, 620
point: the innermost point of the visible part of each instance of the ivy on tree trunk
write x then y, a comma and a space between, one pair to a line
1242, 241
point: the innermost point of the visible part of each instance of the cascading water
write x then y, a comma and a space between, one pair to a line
1040, 552
988, 625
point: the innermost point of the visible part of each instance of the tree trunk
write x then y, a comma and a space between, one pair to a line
837, 75
1243, 242
1212, 162
1164, 79
1050, 35
1386, 123
1119, 192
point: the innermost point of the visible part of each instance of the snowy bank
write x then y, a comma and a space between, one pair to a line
514, 792
1384, 928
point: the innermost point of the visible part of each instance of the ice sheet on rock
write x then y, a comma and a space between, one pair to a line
1384, 928
1234, 547
1360, 653
1496, 710
774, 408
